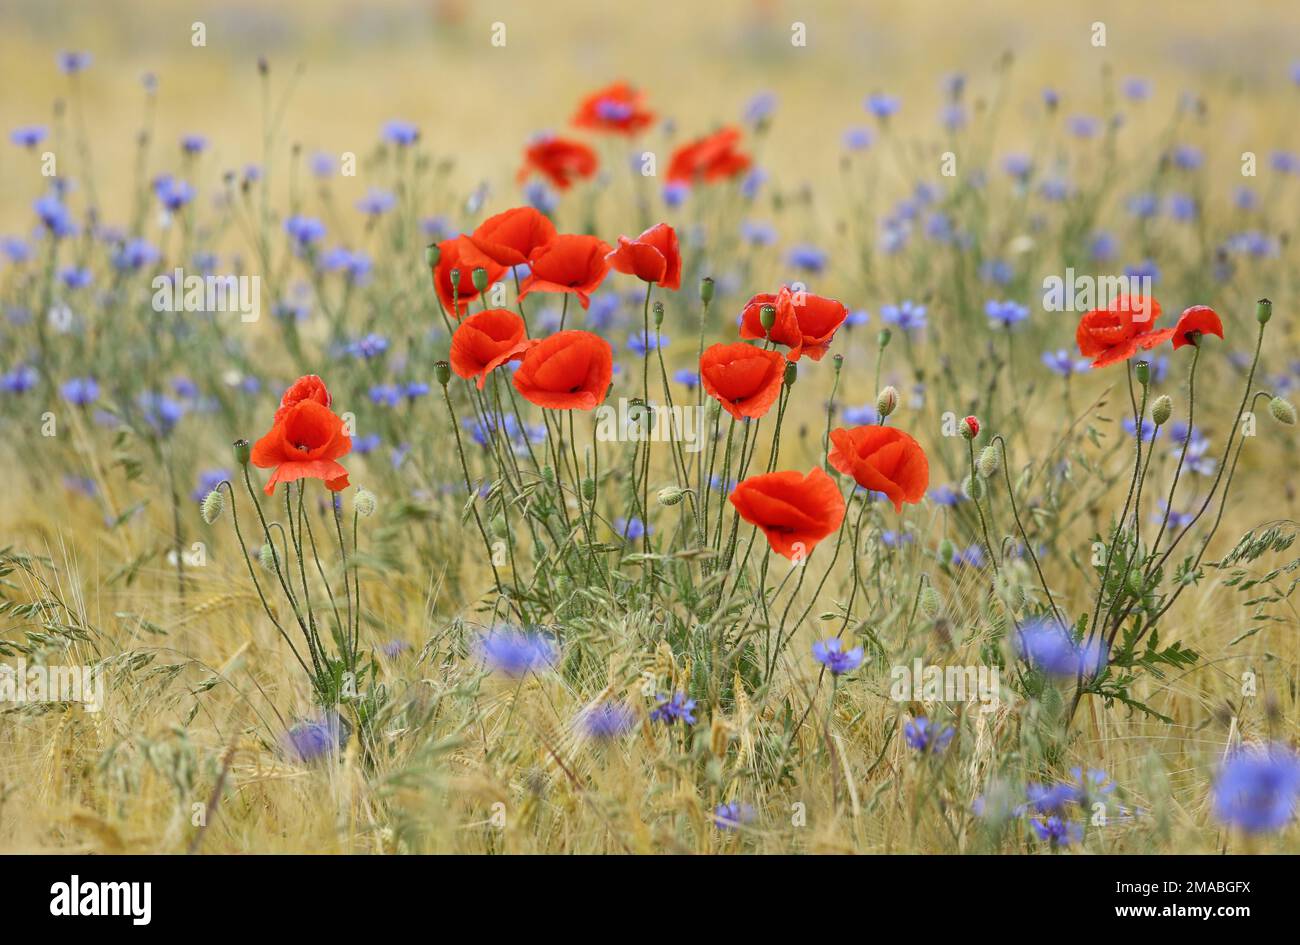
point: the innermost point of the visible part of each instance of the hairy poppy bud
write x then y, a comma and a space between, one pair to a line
973, 488
1143, 371
364, 503
479, 278
242, 452
706, 290
970, 428
931, 602
432, 253
213, 503
767, 317
442, 371
946, 551
989, 462
266, 557
1263, 311
1162, 409
657, 310
1282, 411
791, 373
670, 495
887, 400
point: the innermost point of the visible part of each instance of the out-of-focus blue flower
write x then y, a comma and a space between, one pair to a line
544, 200
1147, 269
863, 416
858, 139
687, 377
54, 216
1103, 247
996, 271
304, 230
760, 108
831, 654
385, 395
632, 529
1187, 157
677, 709
160, 411
1005, 313
608, 720
376, 202
75, 277
16, 249
1137, 89
134, 255
1143, 206
19, 380
882, 106
369, 346
71, 62
1051, 648
857, 317
1063, 363
28, 136
172, 193
401, 133
906, 315
1183, 207
208, 480
1256, 789
733, 814
193, 144
1176, 519
80, 391
322, 165
926, 737
639, 342
1057, 832
806, 257
946, 495
515, 652
1019, 166
1051, 98
317, 738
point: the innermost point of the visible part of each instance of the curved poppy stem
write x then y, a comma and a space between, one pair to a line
1182, 455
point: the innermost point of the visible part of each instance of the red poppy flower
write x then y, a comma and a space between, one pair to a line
651, 257
507, 239
615, 108
307, 387
570, 370
559, 160
1117, 332
882, 459
452, 255
569, 263
708, 159
304, 443
1198, 318
805, 323
794, 511
744, 379
485, 341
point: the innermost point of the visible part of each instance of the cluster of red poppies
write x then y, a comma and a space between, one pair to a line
1127, 325
620, 109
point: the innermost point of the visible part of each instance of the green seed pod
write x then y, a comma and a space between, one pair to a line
364, 503
442, 371
657, 310
947, 550
1282, 410
431, 255
767, 317
791, 373
1263, 311
213, 503
548, 475
1143, 371
706, 290
1162, 409
242, 452
990, 462
882, 339
479, 278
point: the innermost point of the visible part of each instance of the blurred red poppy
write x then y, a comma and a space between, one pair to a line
744, 379
571, 370
882, 459
451, 257
617, 108
559, 160
485, 341
805, 323
304, 443
708, 159
1117, 332
508, 238
569, 263
307, 387
651, 257
1198, 319
794, 511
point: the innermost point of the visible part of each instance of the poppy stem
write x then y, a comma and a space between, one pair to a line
1182, 454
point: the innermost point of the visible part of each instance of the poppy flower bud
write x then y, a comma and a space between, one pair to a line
242, 452
791, 373
1282, 411
882, 339
589, 488
1162, 409
1143, 371
1263, 311
706, 290
432, 253
480, 278
947, 550
364, 503
989, 462
266, 558
970, 428
670, 495
213, 503
887, 400
931, 602
767, 317
973, 488
658, 311
442, 371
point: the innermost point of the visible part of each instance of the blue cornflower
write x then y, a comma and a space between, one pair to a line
385, 395
906, 315
757, 233
677, 709
831, 654
1183, 207
193, 144
1147, 269
316, 738
1058, 832
322, 165
160, 412
607, 720
304, 230
369, 346
1004, 314
54, 216
946, 495
172, 193
1061, 362
516, 653
926, 737
70, 63
376, 202
20, 380
1137, 89
882, 106
1149, 429
1049, 647
1018, 166
1187, 157
208, 480
16, 249
1083, 126
541, 198
1049, 798
755, 179
1257, 789
687, 377
401, 133
760, 108
1144, 206
858, 139
863, 416
632, 529
997, 271
640, 342
1103, 247
75, 277
80, 391
859, 316
28, 136
733, 814
970, 557
1176, 519
806, 257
